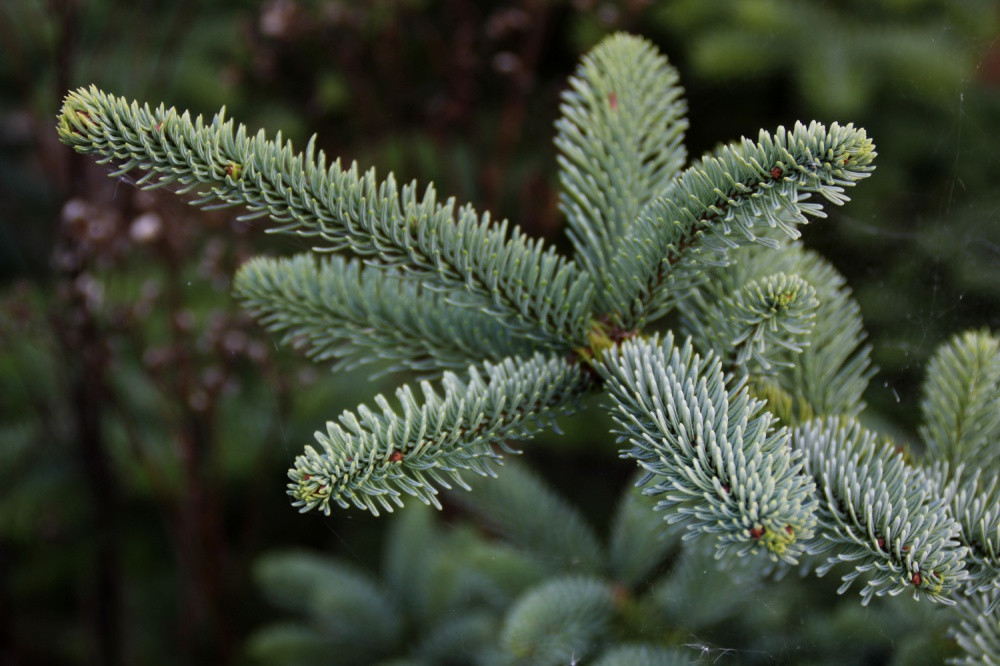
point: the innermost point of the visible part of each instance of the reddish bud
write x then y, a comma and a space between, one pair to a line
756, 532
917, 579
776, 172
613, 101
396, 456
788, 528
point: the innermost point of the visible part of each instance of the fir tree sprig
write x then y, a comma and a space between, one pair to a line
974, 500
830, 374
559, 621
620, 144
744, 193
711, 454
878, 515
978, 632
372, 459
961, 401
530, 515
478, 264
342, 311
765, 323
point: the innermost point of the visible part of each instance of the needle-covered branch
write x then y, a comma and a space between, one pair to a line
371, 459
342, 311
712, 456
472, 260
879, 516
744, 193
620, 144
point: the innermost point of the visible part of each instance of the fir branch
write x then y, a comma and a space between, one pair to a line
539, 292
620, 140
523, 509
830, 374
978, 633
879, 515
638, 543
370, 460
711, 454
562, 620
340, 310
765, 323
974, 500
354, 612
742, 194
961, 401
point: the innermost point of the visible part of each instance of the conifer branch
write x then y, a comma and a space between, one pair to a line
371, 459
830, 373
961, 401
743, 194
620, 144
352, 609
878, 515
974, 500
474, 262
765, 323
558, 621
352, 314
530, 515
978, 633
712, 455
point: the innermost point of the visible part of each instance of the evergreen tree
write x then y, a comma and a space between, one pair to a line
743, 419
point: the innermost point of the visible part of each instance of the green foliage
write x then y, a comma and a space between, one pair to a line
885, 518
842, 67
712, 454
726, 437
620, 141
352, 314
742, 194
829, 375
537, 520
369, 460
959, 406
537, 292
556, 621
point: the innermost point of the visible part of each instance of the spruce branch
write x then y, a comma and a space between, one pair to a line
879, 516
961, 402
474, 262
620, 144
356, 614
710, 453
742, 194
371, 459
341, 310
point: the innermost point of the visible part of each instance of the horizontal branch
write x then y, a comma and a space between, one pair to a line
476, 263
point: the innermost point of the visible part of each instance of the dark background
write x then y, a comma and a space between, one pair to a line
146, 424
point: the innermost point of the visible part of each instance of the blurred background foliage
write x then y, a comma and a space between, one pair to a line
145, 424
